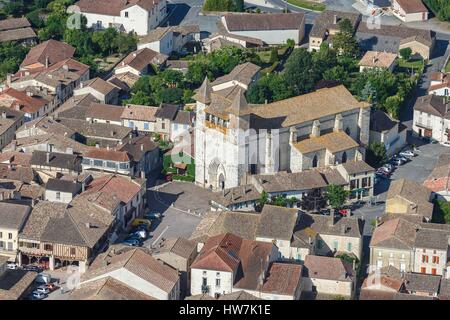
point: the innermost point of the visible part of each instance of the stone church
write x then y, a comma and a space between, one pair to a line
234, 139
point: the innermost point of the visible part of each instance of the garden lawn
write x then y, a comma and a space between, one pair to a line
311, 5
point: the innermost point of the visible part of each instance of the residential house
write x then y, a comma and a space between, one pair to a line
223, 38
44, 126
10, 121
128, 275
165, 116
179, 253
328, 277
327, 235
17, 29
47, 161
181, 125
241, 198
238, 295
410, 200
388, 131
439, 83
392, 39
409, 246
107, 159
410, 10
276, 225
102, 90
378, 61
145, 155
124, 196
33, 107
430, 117
271, 28
140, 16
46, 54
169, 39
12, 219
140, 118
422, 284
57, 234
359, 177
141, 62
326, 25
105, 113
61, 190
228, 263
75, 107
242, 75
103, 134
438, 180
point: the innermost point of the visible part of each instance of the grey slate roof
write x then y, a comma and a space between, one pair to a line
380, 121
57, 160
354, 167
12, 216
236, 195
276, 222
167, 111
420, 282
63, 186
283, 181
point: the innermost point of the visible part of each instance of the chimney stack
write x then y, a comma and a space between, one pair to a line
335, 19
8, 79
332, 217
46, 62
142, 147
48, 157
66, 67
4, 114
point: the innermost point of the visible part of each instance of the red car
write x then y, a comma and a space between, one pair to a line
169, 177
344, 212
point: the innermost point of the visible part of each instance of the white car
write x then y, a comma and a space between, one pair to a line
407, 153
11, 266
42, 289
446, 143
38, 295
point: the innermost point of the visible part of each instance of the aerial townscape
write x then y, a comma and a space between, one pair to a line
224, 150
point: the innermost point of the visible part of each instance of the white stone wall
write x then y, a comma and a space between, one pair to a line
164, 45
403, 260
226, 281
438, 125
139, 125
65, 197
440, 92
419, 264
331, 287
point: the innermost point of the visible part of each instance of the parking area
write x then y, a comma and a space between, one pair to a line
182, 206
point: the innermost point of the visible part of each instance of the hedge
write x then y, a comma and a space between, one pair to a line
177, 177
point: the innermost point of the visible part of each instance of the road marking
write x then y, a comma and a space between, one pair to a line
161, 234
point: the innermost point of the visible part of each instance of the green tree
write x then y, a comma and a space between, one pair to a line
299, 71
376, 154
344, 41
290, 43
441, 213
392, 105
405, 53
105, 40
273, 55
336, 196
140, 98
337, 73
263, 199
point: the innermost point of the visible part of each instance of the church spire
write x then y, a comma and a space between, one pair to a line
204, 92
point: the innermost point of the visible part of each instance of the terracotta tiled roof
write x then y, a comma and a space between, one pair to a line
376, 59
122, 188
21, 101
140, 113
327, 268
14, 23
283, 279
105, 154
267, 21
113, 7
140, 59
99, 85
243, 73
334, 142
412, 6
54, 50
396, 233
277, 222
17, 34
105, 111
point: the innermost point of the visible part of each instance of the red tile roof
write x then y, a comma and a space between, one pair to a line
54, 50
105, 154
121, 187
283, 279
412, 6
20, 100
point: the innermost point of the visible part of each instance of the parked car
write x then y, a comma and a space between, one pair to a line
152, 215
140, 234
38, 295
382, 174
385, 169
43, 289
31, 267
12, 266
137, 222
132, 242
325, 212
407, 153
446, 143
51, 286
399, 157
